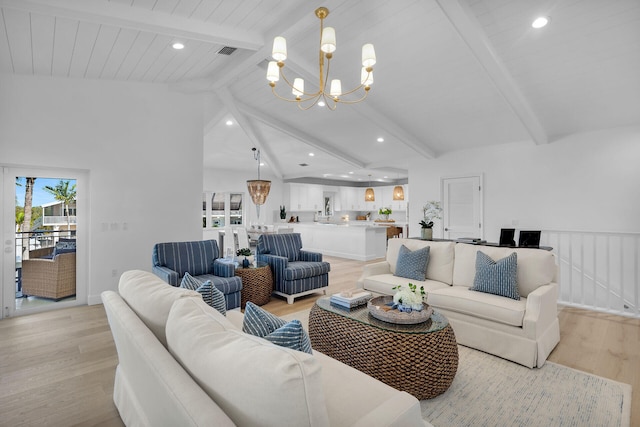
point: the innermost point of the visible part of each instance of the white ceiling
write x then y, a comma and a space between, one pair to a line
451, 74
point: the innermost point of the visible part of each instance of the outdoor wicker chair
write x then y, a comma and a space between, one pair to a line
50, 278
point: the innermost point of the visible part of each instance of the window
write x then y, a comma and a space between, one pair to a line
222, 209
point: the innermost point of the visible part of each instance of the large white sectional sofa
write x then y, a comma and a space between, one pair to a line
181, 363
524, 331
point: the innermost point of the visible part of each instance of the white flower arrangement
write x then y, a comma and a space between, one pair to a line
408, 299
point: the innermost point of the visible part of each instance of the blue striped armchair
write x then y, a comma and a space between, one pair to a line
199, 259
295, 272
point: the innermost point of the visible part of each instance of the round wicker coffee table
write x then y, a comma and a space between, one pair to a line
257, 284
420, 359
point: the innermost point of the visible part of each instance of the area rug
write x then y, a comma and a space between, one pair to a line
490, 391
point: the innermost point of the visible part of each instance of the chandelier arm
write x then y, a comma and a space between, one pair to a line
354, 90
355, 101
326, 78
310, 95
300, 106
321, 59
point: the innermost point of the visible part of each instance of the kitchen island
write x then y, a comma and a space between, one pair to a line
358, 241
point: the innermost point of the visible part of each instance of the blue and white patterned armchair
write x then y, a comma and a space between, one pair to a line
199, 258
295, 272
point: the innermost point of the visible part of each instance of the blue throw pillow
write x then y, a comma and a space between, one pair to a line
210, 294
265, 325
412, 264
64, 247
496, 277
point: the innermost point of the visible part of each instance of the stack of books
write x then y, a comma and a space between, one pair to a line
350, 299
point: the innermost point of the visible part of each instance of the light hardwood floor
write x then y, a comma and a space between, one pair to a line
57, 368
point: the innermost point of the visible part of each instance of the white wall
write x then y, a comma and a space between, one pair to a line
219, 180
141, 145
585, 182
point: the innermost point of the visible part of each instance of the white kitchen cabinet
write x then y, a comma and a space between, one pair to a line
305, 197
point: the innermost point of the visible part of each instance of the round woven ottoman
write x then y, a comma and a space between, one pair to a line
420, 359
257, 284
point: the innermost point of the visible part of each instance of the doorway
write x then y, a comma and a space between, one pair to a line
44, 247
462, 207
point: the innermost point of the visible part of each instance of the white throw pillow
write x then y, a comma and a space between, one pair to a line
255, 382
151, 299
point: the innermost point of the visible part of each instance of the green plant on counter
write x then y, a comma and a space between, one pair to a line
385, 211
283, 212
243, 252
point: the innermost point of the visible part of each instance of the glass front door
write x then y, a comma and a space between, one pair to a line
40, 240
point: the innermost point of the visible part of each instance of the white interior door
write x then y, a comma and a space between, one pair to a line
462, 207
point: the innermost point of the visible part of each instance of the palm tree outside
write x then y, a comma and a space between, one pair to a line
66, 194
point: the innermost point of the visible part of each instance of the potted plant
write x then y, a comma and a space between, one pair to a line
431, 210
385, 212
283, 213
244, 256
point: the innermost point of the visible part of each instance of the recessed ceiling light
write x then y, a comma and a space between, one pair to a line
228, 122
380, 139
351, 173
321, 104
261, 163
311, 154
177, 46
540, 21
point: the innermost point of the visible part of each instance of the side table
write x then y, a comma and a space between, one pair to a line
257, 284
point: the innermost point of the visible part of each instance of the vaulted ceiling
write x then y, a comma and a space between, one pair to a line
451, 74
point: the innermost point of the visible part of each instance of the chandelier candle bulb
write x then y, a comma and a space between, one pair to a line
336, 88
273, 72
279, 52
328, 40
368, 55
298, 87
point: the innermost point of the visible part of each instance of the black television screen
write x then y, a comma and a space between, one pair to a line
529, 239
507, 237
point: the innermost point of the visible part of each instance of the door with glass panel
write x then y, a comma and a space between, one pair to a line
41, 254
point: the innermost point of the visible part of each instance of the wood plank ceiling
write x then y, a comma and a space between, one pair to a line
451, 74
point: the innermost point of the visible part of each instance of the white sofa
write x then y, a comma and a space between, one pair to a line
181, 363
524, 331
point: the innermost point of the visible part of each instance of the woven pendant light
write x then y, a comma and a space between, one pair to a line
258, 188
369, 195
398, 192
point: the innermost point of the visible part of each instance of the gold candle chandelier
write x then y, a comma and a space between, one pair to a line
258, 188
306, 100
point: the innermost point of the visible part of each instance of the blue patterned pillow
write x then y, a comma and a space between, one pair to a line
412, 264
496, 277
210, 294
265, 325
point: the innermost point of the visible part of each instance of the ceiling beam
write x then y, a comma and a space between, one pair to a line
389, 127
469, 29
299, 135
135, 18
250, 130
